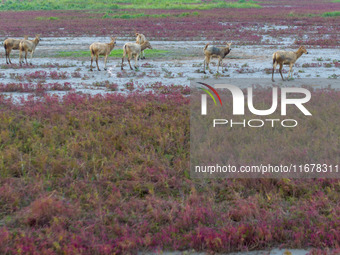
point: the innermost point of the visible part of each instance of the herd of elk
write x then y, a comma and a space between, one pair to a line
136, 50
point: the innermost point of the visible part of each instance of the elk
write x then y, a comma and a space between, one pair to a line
140, 39
102, 49
134, 50
212, 51
12, 44
287, 58
28, 46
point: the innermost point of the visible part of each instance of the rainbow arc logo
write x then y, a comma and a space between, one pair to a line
239, 99
209, 93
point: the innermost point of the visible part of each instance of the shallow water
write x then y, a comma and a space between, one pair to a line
185, 62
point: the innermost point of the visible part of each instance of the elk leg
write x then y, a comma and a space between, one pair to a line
105, 61
208, 62
97, 62
26, 57
9, 58
136, 61
91, 61
31, 57
274, 67
130, 63
290, 71
280, 70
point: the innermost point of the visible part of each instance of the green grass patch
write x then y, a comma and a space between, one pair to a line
331, 14
128, 15
114, 53
123, 4
47, 18
293, 14
192, 6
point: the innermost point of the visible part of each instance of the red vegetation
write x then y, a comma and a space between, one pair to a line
84, 175
244, 26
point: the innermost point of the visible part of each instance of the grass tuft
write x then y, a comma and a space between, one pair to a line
331, 14
47, 18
